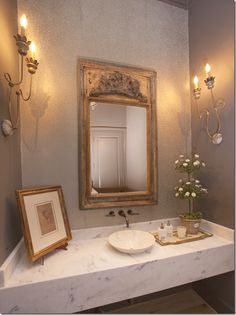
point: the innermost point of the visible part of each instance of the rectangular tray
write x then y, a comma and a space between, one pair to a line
189, 238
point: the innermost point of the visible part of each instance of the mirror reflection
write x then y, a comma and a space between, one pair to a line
118, 148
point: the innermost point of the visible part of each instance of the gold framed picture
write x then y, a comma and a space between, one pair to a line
44, 220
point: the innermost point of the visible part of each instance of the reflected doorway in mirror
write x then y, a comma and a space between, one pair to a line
118, 135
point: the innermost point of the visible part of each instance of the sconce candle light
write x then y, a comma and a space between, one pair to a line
23, 45
216, 136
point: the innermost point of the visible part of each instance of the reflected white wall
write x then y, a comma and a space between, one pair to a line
136, 151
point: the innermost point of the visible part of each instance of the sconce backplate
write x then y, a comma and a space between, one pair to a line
7, 128
217, 138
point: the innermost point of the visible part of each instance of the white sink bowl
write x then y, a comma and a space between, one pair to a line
131, 241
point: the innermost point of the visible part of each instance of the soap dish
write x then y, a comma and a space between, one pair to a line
175, 240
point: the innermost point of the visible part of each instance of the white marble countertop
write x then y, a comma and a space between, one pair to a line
91, 273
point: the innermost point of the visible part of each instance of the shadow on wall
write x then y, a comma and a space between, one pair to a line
38, 107
12, 215
214, 291
184, 125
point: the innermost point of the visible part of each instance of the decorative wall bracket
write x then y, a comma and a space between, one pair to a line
215, 136
23, 46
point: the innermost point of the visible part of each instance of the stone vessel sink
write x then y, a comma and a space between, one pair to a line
131, 241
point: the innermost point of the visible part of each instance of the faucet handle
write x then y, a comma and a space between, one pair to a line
130, 212
121, 213
111, 214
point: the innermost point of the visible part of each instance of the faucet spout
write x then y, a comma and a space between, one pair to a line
127, 222
122, 214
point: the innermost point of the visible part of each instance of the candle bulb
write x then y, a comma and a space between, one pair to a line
208, 70
195, 81
32, 50
23, 24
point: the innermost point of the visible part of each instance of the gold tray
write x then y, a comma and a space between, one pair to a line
189, 238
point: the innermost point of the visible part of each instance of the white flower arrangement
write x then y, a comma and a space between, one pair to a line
187, 165
191, 188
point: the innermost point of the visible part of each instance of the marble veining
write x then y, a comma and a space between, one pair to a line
92, 273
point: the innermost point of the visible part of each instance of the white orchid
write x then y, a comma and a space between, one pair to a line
180, 181
181, 189
187, 160
188, 183
193, 194
197, 181
187, 194
181, 156
185, 164
177, 195
203, 164
196, 156
177, 161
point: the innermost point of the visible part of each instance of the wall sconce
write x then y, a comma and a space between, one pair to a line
23, 45
216, 137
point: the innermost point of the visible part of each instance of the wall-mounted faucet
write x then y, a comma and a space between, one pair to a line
111, 214
122, 214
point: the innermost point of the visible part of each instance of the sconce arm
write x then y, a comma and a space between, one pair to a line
207, 113
8, 78
30, 90
10, 124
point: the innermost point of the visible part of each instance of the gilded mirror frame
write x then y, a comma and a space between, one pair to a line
114, 83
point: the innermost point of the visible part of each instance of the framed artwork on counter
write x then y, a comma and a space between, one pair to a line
44, 220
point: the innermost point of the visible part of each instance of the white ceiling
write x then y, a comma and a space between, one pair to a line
178, 3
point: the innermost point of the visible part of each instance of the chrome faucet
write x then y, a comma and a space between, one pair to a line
122, 214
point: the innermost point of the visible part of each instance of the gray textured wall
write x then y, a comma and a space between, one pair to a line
149, 34
211, 34
211, 39
10, 168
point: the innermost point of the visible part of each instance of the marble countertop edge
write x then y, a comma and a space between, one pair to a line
224, 235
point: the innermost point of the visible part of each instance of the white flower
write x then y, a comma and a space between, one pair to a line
197, 181
181, 156
187, 160
177, 161
187, 194
204, 190
188, 183
180, 181
176, 188
185, 164
197, 186
193, 194
196, 163
180, 189
177, 195
203, 164
196, 156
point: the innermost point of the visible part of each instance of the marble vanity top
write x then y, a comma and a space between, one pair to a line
92, 273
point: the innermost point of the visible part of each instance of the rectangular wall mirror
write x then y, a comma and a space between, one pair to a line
118, 135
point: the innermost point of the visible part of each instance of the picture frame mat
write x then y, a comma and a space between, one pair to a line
38, 240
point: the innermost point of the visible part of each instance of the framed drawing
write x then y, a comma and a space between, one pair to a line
44, 220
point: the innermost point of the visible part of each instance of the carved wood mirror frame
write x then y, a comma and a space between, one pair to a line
114, 83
